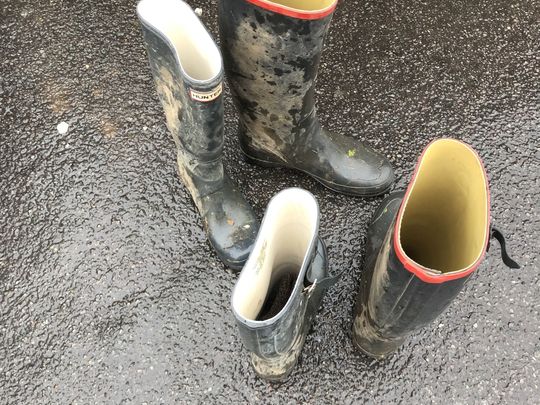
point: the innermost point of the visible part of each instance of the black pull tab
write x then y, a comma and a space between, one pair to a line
317, 269
495, 233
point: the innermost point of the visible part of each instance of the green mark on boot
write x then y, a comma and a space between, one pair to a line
351, 152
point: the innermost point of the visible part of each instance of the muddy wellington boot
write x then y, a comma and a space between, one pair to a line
282, 284
423, 245
271, 52
187, 69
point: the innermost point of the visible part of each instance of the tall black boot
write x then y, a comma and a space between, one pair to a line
282, 284
423, 245
271, 52
187, 68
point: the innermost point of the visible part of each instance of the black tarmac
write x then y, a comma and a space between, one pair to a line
109, 291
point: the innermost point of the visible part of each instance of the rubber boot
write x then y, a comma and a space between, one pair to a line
188, 72
282, 284
271, 52
423, 246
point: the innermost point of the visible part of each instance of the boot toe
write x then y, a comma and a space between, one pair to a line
369, 172
232, 228
385, 179
350, 167
234, 247
340, 163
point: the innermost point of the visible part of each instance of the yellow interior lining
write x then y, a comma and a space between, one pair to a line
305, 5
444, 221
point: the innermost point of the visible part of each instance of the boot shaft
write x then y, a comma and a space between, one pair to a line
400, 302
271, 55
268, 300
282, 284
187, 69
423, 246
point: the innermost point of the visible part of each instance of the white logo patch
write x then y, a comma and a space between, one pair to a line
206, 96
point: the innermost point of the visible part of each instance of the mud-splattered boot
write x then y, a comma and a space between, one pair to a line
188, 72
271, 52
282, 284
423, 245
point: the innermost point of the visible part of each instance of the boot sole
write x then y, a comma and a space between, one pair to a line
331, 186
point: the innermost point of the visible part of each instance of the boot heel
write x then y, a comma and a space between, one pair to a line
275, 370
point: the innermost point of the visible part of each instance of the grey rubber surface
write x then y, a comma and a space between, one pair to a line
110, 293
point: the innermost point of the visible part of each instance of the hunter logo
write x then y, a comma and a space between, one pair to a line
206, 96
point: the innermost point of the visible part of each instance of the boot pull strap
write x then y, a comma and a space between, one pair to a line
325, 282
507, 260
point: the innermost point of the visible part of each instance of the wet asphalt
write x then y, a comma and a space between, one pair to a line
109, 291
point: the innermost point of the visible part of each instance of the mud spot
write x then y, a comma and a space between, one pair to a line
264, 70
183, 164
166, 88
108, 128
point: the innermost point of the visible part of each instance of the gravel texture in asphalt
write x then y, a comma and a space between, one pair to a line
109, 291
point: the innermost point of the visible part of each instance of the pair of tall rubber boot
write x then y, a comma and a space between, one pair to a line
271, 52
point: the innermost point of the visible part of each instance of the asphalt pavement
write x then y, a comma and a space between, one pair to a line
109, 291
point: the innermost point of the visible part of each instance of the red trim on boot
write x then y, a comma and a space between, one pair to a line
420, 271
294, 12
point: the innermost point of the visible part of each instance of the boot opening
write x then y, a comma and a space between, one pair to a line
195, 49
276, 267
278, 293
443, 225
304, 5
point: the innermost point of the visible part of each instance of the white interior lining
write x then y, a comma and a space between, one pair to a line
287, 232
196, 51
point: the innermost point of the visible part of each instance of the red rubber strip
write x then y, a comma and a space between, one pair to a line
293, 12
